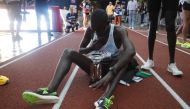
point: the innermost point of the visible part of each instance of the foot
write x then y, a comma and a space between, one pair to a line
41, 96
172, 68
104, 103
178, 42
185, 45
148, 65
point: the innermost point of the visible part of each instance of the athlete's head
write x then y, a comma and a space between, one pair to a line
99, 20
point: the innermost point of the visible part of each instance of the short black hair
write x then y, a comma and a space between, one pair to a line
99, 17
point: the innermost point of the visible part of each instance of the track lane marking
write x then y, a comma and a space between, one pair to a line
66, 88
158, 41
166, 86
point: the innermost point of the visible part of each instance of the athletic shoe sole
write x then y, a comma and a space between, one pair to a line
146, 68
33, 98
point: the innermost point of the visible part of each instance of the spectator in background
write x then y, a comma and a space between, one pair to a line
41, 7
109, 11
142, 11
117, 13
64, 13
132, 9
170, 7
87, 10
14, 13
71, 19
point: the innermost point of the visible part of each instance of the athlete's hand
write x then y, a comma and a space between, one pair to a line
102, 82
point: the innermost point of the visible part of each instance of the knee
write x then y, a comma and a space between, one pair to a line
170, 27
68, 53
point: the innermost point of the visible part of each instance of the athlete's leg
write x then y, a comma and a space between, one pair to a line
18, 18
11, 20
19, 22
153, 17
171, 35
38, 18
69, 56
46, 14
153, 8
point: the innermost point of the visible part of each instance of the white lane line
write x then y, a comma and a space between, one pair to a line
163, 34
168, 88
35, 50
161, 42
66, 88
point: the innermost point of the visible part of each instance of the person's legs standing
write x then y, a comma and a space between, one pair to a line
38, 16
186, 20
170, 7
142, 18
133, 18
153, 9
46, 15
130, 19
18, 17
11, 15
171, 36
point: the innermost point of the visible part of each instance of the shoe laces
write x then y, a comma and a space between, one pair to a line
45, 91
108, 102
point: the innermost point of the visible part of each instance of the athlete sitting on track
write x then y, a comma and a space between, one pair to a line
107, 40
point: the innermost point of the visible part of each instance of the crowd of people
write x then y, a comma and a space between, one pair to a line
106, 39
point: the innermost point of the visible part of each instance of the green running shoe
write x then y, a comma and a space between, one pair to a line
41, 96
178, 42
186, 45
104, 103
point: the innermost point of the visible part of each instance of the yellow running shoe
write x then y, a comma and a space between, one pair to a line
3, 80
185, 45
178, 42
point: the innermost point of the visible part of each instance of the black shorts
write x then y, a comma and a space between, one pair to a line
154, 5
186, 6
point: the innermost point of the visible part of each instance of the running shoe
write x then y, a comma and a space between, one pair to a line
185, 45
104, 103
41, 96
178, 42
3, 80
148, 64
172, 68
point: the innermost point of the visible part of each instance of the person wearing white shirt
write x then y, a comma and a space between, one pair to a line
132, 8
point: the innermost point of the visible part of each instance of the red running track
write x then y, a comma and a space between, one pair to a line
36, 69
